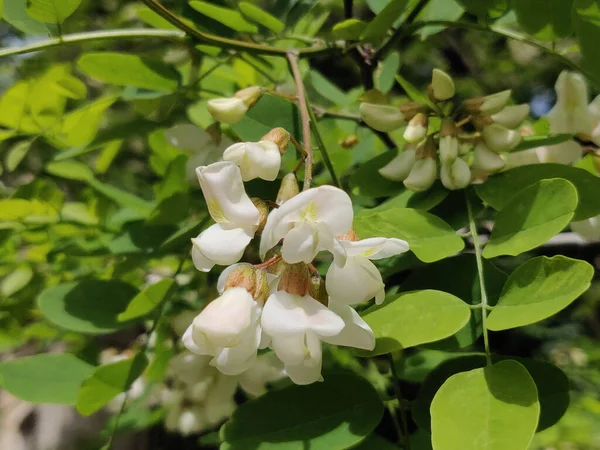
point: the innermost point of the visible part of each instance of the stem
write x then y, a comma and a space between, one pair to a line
401, 32
403, 438
268, 262
323, 149
232, 43
305, 116
173, 35
484, 299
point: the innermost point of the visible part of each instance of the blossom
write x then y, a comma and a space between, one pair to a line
233, 109
570, 114
266, 369
455, 175
588, 229
442, 86
511, 116
308, 224
359, 280
422, 175
382, 117
499, 138
399, 167
255, 159
417, 128
486, 159
237, 218
490, 104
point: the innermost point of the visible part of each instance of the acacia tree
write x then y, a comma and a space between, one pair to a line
331, 173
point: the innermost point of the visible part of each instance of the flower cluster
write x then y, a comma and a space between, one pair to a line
460, 143
282, 303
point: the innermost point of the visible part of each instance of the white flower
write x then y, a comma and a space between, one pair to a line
308, 223
422, 175
448, 148
588, 229
191, 420
570, 114
512, 116
296, 325
486, 159
227, 110
357, 333
490, 104
442, 85
382, 117
499, 138
255, 159
456, 175
359, 280
228, 328
237, 218
266, 369
417, 128
399, 167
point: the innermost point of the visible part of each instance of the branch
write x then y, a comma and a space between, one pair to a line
401, 32
322, 148
233, 44
305, 116
173, 35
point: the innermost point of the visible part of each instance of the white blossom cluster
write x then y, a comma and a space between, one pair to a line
281, 304
464, 149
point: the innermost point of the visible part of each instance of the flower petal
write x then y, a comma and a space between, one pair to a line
356, 333
300, 244
358, 281
220, 245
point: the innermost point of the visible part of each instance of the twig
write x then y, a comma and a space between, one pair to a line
401, 32
268, 262
323, 149
305, 117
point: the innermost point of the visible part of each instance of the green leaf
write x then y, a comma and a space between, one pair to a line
15, 13
545, 19
461, 279
419, 365
379, 26
87, 306
16, 280
374, 441
532, 217
15, 155
334, 414
492, 408
429, 237
349, 29
366, 179
538, 141
449, 10
71, 170
486, 8
386, 73
147, 300
586, 22
412, 91
415, 318
46, 378
78, 212
228, 17
552, 385
28, 211
80, 126
129, 70
498, 190
71, 87
539, 289
416, 200
261, 17
107, 381
52, 11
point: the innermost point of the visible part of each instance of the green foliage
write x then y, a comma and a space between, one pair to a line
337, 413
228, 17
474, 410
52, 11
377, 28
147, 300
538, 289
261, 17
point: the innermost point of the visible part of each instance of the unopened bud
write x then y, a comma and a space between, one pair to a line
227, 110
263, 211
399, 167
417, 128
249, 95
512, 116
480, 122
288, 189
456, 175
442, 86
317, 290
486, 159
499, 138
295, 279
422, 175
410, 110
381, 117
279, 136
490, 104
250, 278
448, 141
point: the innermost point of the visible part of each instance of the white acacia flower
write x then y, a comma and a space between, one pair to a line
255, 159
359, 280
233, 109
588, 229
267, 369
357, 333
570, 114
499, 138
237, 218
228, 329
512, 116
296, 325
382, 117
564, 153
309, 223
442, 86
486, 159
422, 175
399, 167
456, 175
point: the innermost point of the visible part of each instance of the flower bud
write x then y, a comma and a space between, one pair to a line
410, 110
422, 175
191, 421
512, 116
263, 211
399, 167
249, 95
288, 189
295, 279
456, 175
499, 138
252, 279
280, 137
442, 86
227, 110
490, 104
381, 117
417, 128
448, 141
255, 159
486, 159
